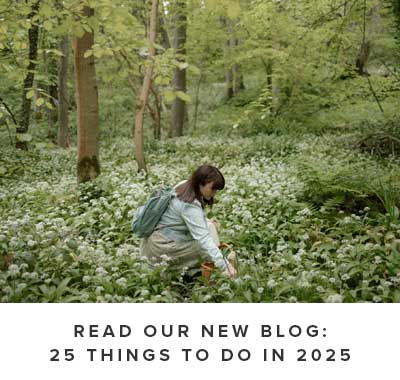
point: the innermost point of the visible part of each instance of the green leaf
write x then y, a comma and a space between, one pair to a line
88, 53
247, 294
144, 52
87, 28
23, 137
159, 47
62, 287
194, 70
3, 170
185, 97
44, 289
56, 52
46, 10
48, 25
49, 105
183, 65
162, 80
72, 244
30, 94
79, 31
169, 96
39, 102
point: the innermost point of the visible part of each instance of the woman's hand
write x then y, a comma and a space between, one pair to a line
230, 271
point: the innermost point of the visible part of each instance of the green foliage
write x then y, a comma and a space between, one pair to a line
282, 213
312, 219
336, 178
381, 139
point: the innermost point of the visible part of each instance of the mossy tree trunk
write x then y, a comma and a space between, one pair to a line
88, 167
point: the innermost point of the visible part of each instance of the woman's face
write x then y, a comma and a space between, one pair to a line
207, 191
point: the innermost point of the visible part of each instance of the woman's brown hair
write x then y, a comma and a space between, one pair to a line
190, 190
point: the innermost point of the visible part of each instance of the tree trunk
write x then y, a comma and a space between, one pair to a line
196, 104
238, 81
362, 58
229, 83
179, 80
233, 76
37, 113
52, 113
275, 93
33, 35
88, 167
235, 67
52, 89
236, 78
241, 82
165, 41
228, 67
63, 133
275, 80
141, 103
157, 114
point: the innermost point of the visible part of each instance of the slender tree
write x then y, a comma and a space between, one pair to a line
179, 80
237, 75
63, 133
164, 37
233, 75
88, 167
226, 24
50, 69
33, 36
142, 102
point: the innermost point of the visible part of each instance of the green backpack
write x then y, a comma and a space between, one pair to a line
147, 216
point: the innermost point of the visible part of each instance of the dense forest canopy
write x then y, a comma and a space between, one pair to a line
302, 50
296, 101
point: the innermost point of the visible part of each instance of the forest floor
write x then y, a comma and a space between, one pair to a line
311, 218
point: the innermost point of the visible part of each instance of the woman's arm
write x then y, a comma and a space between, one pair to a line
195, 221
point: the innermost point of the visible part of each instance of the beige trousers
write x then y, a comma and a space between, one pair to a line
180, 255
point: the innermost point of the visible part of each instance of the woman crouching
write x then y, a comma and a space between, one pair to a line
184, 234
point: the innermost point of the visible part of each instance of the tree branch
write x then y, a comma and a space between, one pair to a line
8, 110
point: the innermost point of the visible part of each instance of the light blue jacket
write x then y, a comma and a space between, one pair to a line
187, 221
